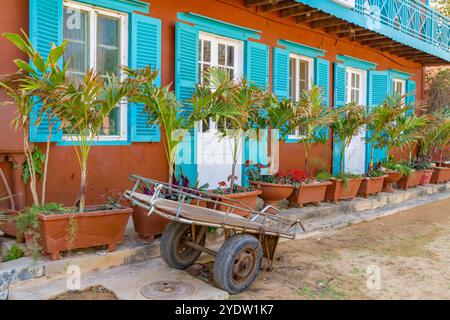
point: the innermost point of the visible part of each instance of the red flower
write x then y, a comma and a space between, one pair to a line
297, 175
248, 163
222, 184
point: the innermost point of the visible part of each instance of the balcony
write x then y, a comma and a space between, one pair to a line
407, 28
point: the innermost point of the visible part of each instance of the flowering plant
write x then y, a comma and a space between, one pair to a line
221, 189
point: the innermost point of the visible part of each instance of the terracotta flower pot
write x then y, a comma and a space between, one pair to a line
392, 177
272, 193
426, 177
9, 228
309, 193
338, 191
247, 198
443, 164
371, 186
410, 181
440, 175
96, 227
147, 227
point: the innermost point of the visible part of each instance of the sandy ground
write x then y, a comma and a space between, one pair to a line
405, 256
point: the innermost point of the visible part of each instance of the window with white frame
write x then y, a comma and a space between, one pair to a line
301, 78
218, 52
97, 39
356, 86
399, 87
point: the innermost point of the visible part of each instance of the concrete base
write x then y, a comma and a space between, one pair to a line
125, 281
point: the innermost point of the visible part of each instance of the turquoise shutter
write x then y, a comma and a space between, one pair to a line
339, 85
322, 79
186, 78
411, 92
281, 73
256, 72
339, 101
379, 88
145, 50
46, 24
257, 63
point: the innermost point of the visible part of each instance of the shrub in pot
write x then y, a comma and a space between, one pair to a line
435, 140
274, 188
372, 183
307, 190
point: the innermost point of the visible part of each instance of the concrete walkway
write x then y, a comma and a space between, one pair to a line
129, 282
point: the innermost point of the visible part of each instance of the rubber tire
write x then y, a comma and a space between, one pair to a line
223, 266
169, 244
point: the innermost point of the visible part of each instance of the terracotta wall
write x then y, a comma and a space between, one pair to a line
109, 167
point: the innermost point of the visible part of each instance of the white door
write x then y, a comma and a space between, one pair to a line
355, 153
214, 153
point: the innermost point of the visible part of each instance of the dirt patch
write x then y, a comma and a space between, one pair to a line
404, 256
91, 293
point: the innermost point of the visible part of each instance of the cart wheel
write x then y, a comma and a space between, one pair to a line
237, 263
173, 251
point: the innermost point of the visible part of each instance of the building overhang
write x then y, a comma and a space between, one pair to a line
408, 28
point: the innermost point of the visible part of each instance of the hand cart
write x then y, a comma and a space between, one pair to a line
192, 212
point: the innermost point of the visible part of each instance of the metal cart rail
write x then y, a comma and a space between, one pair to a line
250, 235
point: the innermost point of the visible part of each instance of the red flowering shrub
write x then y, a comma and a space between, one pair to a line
297, 175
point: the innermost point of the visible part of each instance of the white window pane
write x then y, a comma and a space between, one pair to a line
76, 32
108, 53
111, 125
206, 51
221, 54
230, 56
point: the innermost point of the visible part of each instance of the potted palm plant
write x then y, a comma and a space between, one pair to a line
441, 138
313, 116
162, 109
408, 132
372, 183
237, 108
346, 122
390, 138
81, 109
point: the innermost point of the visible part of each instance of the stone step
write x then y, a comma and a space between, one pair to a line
362, 204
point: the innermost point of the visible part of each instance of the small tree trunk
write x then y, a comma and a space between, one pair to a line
29, 156
306, 156
341, 165
372, 151
83, 186
233, 167
47, 154
171, 171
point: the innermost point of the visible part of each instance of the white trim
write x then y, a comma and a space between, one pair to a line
298, 58
396, 81
93, 13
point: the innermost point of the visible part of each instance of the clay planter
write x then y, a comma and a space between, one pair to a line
337, 191
426, 177
9, 228
247, 198
147, 227
272, 193
371, 186
440, 175
392, 177
410, 181
443, 164
309, 193
96, 227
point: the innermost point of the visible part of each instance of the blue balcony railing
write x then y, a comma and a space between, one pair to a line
410, 22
